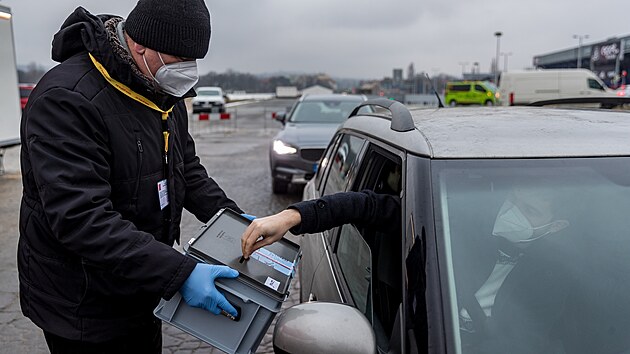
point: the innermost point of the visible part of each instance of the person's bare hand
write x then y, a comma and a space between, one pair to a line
265, 231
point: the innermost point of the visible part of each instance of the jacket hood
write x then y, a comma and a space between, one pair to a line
85, 32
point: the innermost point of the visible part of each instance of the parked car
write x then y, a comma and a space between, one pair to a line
296, 149
25, 91
208, 99
557, 288
470, 92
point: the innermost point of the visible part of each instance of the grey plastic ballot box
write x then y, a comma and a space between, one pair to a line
259, 290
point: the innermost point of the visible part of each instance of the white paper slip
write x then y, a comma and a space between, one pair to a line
273, 260
272, 283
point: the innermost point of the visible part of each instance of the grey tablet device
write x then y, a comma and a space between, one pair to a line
269, 269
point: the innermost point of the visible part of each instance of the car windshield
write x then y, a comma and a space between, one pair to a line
535, 253
206, 92
322, 111
491, 86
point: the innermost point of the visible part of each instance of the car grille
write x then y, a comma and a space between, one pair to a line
311, 154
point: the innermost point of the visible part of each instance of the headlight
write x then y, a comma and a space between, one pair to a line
283, 149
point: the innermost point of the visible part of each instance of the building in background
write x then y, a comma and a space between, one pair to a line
609, 59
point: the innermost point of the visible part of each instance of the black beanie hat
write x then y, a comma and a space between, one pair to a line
176, 27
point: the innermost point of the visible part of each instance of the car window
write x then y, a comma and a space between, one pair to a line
206, 92
355, 261
459, 88
480, 88
595, 85
381, 173
341, 162
330, 111
325, 161
492, 87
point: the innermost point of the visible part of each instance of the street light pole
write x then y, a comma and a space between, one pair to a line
505, 60
463, 64
579, 48
496, 62
435, 74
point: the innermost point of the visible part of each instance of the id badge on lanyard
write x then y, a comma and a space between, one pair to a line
162, 187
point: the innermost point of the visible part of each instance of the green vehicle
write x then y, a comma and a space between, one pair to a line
471, 92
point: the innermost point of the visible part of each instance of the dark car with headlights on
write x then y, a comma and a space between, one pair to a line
512, 235
297, 148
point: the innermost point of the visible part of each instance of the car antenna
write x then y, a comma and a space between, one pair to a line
440, 104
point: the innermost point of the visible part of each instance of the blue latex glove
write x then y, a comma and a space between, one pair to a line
250, 217
199, 290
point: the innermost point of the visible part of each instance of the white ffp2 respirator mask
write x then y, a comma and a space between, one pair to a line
176, 78
512, 225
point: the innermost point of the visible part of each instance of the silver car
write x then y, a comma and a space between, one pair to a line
295, 151
514, 235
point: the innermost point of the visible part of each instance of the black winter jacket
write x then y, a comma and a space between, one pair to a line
95, 250
365, 208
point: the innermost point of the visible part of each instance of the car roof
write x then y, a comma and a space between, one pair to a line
333, 97
505, 132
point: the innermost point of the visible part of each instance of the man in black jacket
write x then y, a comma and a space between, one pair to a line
107, 167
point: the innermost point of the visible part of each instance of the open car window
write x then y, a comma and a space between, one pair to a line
381, 173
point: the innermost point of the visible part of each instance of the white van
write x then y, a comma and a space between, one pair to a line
525, 87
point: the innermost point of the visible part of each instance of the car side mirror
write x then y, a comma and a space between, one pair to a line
323, 327
281, 117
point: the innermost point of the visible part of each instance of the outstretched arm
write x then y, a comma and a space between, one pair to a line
364, 208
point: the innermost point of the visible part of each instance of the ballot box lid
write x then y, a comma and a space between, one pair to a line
268, 270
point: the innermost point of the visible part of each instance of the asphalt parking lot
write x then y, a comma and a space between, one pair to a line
235, 153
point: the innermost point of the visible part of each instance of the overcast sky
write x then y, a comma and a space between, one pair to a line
358, 38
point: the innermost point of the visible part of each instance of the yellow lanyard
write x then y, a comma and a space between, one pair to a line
137, 97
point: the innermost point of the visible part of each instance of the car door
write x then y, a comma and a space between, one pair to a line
337, 170
469, 94
422, 300
365, 263
382, 172
480, 94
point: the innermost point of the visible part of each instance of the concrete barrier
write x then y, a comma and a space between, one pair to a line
212, 116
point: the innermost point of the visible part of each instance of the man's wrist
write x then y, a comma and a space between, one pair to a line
292, 217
